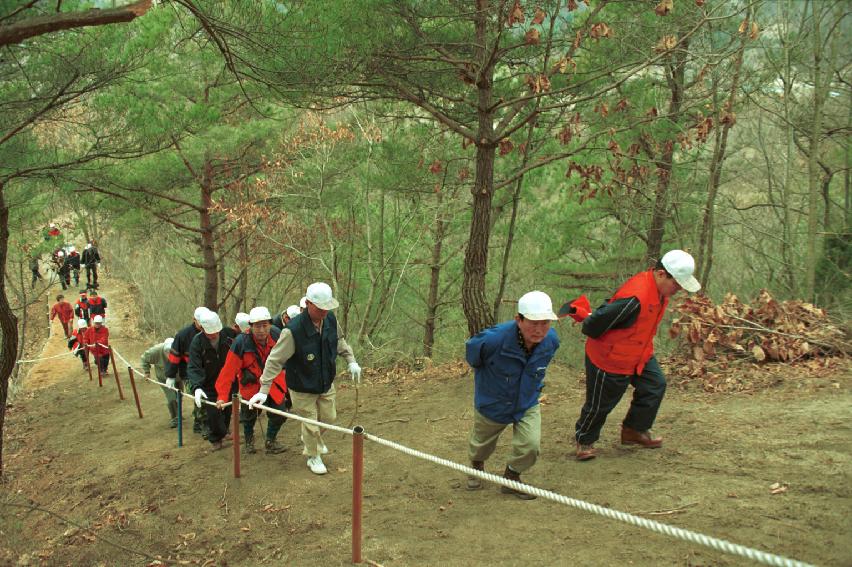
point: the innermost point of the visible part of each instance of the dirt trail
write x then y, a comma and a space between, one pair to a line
120, 492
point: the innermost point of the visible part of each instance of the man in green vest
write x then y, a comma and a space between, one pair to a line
308, 349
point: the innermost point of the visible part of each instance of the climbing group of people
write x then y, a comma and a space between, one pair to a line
89, 336
288, 362
285, 362
67, 262
510, 360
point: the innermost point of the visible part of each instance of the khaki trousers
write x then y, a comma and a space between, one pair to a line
526, 439
319, 407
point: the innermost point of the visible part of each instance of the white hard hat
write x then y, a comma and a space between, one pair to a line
210, 322
98, 319
536, 306
81, 324
681, 266
293, 310
302, 303
259, 314
242, 320
319, 294
167, 344
72, 249
199, 312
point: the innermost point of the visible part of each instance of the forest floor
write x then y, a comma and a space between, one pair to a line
89, 483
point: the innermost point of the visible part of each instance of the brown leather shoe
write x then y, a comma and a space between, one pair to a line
512, 475
644, 438
586, 452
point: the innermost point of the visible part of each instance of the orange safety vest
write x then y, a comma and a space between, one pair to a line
626, 351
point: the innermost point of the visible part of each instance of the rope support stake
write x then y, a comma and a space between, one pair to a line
235, 432
357, 490
115, 373
135, 393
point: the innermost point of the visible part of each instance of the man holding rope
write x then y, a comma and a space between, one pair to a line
176, 365
207, 354
157, 356
245, 363
509, 362
97, 342
309, 347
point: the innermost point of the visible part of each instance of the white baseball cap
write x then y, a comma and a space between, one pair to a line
210, 322
199, 312
536, 306
293, 310
242, 320
81, 324
319, 294
681, 266
167, 344
259, 314
302, 304
98, 319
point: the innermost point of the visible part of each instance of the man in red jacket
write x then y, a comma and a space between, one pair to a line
77, 342
620, 352
97, 343
65, 312
245, 362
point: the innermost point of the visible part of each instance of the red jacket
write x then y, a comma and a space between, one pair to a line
77, 339
96, 337
244, 363
63, 309
626, 351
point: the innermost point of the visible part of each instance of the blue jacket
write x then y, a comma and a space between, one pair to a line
506, 383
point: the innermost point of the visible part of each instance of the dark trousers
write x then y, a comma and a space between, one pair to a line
66, 326
249, 416
604, 391
36, 276
92, 275
103, 364
76, 273
217, 420
82, 354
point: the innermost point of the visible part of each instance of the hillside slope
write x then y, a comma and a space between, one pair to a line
89, 483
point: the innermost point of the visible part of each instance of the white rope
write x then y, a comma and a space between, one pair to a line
299, 418
22, 361
162, 385
679, 533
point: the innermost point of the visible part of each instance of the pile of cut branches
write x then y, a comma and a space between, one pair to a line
714, 336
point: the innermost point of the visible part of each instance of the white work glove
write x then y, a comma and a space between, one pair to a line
257, 400
199, 393
170, 382
355, 371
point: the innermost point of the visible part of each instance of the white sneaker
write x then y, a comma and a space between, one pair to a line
323, 449
316, 465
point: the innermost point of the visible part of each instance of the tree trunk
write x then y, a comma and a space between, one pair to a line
676, 73
705, 241
208, 252
434, 278
474, 301
8, 323
813, 158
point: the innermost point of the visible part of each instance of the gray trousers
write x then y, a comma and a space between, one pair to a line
526, 439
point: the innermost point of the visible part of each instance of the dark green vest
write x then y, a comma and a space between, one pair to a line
312, 367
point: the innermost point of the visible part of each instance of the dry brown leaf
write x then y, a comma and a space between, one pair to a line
516, 14
532, 37
539, 16
664, 7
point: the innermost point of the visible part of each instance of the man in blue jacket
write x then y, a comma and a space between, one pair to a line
509, 361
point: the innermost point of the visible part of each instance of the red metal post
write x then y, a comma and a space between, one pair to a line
235, 432
88, 363
357, 490
135, 393
115, 373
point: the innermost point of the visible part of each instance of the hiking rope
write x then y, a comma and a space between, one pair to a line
22, 361
164, 385
632, 519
